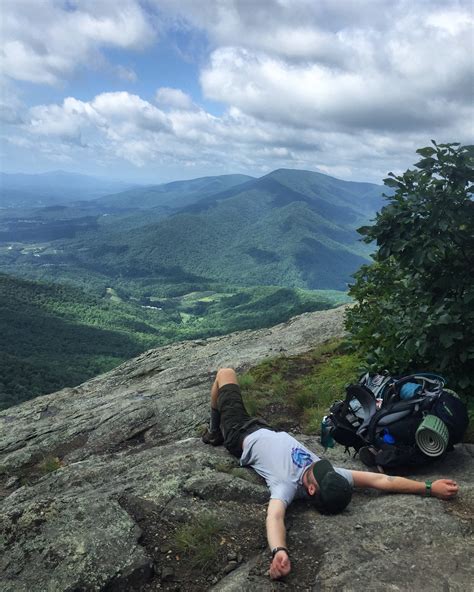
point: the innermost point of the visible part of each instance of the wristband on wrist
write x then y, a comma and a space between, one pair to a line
276, 549
428, 488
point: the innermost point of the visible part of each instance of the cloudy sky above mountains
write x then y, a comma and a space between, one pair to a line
155, 90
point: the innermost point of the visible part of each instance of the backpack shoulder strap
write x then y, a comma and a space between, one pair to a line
398, 410
367, 401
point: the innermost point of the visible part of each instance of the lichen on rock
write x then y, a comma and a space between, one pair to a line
131, 470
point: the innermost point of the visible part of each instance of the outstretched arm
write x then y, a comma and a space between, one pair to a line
276, 537
442, 488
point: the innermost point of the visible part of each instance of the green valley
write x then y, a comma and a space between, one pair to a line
89, 284
58, 335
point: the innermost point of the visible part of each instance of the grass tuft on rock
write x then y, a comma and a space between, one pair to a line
49, 464
200, 541
300, 387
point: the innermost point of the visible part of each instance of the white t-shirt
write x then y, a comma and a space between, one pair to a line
281, 460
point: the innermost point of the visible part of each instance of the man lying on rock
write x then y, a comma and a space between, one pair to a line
290, 469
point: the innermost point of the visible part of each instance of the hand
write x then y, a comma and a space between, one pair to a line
280, 565
444, 489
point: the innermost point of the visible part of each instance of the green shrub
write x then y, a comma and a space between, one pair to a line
415, 304
279, 386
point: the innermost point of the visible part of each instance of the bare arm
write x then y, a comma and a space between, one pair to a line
442, 488
276, 537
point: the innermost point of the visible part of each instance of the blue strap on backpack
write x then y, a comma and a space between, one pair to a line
384, 412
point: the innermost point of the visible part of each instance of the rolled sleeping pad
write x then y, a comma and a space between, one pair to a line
432, 436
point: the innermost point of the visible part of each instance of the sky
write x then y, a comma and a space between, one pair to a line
158, 90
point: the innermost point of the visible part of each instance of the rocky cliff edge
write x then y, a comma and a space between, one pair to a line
100, 482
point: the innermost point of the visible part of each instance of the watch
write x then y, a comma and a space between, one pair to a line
276, 549
428, 485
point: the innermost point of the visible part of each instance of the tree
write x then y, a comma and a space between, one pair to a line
415, 303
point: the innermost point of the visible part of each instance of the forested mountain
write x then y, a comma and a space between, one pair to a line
56, 187
362, 197
150, 266
172, 196
39, 217
288, 228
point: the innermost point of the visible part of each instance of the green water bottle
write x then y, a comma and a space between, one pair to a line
327, 441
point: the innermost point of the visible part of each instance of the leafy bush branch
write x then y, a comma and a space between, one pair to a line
415, 303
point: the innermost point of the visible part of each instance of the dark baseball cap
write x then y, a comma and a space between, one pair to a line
335, 491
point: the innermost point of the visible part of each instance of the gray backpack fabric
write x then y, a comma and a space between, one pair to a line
383, 412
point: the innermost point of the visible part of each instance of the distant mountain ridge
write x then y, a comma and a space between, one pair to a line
288, 228
175, 261
173, 195
340, 192
52, 188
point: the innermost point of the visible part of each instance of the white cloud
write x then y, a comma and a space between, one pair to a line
351, 88
123, 127
55, 121
452, 21
117, 117
416, 74
174, 98
129, 114
44, 42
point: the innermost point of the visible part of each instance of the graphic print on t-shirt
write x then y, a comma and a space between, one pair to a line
300, 457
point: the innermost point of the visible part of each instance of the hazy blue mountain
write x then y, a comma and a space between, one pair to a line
289, 185
173, 195
50, 223
288, 228
134, 208
152, 265
56, 187
363, 197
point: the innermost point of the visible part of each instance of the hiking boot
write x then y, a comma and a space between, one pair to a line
214, 438
367, 456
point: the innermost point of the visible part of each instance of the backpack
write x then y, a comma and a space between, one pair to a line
392, 422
